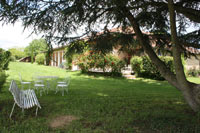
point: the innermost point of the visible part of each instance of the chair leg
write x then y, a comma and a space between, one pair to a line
47, 89
63, 91
23, 111
36, 111
56, 89
22, 86
12, 110
40, 92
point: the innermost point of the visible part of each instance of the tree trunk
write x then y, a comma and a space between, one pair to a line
186, 88
190, 91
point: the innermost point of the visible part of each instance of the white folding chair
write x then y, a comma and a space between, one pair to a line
25, 99
63, 85
23, 82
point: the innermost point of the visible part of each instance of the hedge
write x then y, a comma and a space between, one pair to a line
143, 67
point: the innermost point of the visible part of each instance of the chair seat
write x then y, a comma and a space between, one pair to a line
26, 82
62, 85
39, 85
61, 82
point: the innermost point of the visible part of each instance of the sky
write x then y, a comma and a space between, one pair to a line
14, 36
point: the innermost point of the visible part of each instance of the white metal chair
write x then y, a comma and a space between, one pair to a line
25, 99
23, 82
39, 84
63, 85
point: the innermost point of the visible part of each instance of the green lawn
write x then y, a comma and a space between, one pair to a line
100, 104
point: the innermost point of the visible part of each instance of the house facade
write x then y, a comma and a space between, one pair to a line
57, 57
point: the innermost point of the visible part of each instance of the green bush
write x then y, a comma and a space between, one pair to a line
40, 59
136, 65
115, 64
2, 78
4, 59
12, 58
143, 67
91, 60
193, 72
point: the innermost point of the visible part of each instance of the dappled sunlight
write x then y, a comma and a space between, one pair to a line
102, 94
194, 79
179, 102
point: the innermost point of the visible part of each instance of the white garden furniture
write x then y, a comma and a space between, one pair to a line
49, 81
25, 99
39, 85
63, 85
23, 82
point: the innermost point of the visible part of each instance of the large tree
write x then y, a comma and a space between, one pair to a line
39, 46
165, 19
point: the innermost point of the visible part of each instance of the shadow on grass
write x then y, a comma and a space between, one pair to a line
108, 105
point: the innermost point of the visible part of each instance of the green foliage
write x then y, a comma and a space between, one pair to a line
73, 49
69, 62
4, 59
136, 64
40, 59
92, 60
143, 67
193, 72
76, 47
18, 53
4, 62
12, 58
36, 46
2, 78
115, 64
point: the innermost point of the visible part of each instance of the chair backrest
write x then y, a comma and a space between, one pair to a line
16, 92
20, 76
36, 79
67, 79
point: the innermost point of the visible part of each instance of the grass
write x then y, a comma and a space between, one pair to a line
101, 104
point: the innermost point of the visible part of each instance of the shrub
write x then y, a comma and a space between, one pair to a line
143, 67
40, 59
114, 64
12, 58
2, 78
4, 59
4, 62
193, 72
110, 63
136, 64
69, 62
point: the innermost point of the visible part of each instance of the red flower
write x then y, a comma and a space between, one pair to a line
105, 61
112, 63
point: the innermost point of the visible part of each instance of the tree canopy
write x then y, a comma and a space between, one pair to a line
164, 19
37, 46
18, 53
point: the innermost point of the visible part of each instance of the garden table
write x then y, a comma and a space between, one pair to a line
47, 79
